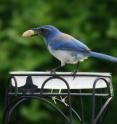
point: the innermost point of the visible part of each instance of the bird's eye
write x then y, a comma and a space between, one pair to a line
44, 31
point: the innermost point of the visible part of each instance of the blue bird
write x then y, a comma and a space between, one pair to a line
64, 47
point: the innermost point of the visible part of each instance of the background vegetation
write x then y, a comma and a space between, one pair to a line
92, 21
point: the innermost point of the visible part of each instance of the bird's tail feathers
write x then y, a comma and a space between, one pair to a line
103, 56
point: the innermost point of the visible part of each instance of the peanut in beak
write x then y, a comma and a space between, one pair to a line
28, 33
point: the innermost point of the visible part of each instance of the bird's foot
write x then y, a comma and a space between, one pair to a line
74, 75
53, 72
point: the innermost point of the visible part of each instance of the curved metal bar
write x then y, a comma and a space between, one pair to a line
9, 85
68, 88
94, 88
15, 81
53, 105
16, 104
103, 108
10, 108
108, 86
77, 115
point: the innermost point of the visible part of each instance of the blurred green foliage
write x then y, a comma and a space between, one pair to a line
91, 21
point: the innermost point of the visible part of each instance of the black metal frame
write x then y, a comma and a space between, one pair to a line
16, 95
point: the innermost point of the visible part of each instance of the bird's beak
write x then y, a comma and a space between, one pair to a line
29, 33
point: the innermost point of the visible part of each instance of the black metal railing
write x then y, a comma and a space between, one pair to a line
16, 95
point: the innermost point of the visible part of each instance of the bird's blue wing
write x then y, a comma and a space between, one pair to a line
67, 42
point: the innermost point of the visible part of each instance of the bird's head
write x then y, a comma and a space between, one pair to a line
45, 31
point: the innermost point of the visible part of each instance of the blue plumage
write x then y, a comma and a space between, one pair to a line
66, 48
67, 42
102, 56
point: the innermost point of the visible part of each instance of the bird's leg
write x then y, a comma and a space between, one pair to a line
76, 70
54, 69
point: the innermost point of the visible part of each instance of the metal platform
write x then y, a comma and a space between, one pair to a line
42, 86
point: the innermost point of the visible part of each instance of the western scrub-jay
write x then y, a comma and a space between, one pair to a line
64, 47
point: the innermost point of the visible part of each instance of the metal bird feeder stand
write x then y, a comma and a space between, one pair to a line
41, 86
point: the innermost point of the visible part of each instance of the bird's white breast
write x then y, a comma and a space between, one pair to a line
66, 56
